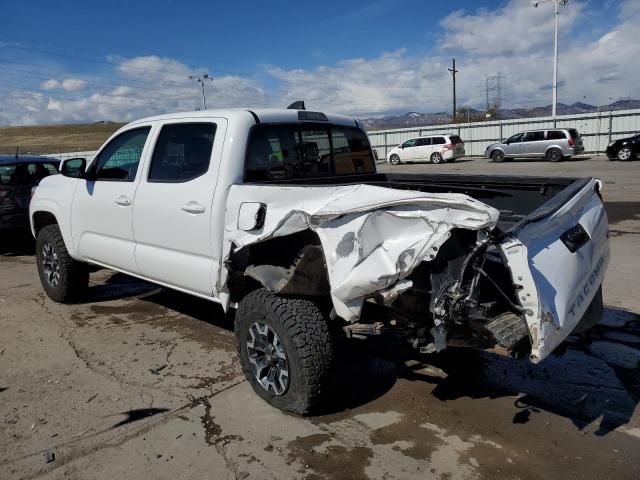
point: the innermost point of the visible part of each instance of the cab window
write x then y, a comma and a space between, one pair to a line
409, 143
119, 160
182, 152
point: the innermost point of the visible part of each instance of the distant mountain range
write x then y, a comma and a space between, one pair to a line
415, 119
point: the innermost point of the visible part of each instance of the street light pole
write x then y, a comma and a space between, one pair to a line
201, 80
555, 63
557, 5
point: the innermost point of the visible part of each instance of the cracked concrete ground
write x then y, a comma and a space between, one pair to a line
142, 382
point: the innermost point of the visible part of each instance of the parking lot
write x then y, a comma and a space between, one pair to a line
142, 382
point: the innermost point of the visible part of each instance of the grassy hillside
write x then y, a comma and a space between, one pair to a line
55, 138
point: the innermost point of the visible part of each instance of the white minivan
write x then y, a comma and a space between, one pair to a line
434, 149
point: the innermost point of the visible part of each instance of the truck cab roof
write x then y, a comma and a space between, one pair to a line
261, 115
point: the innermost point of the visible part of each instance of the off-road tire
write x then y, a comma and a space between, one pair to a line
436, 158
74, 275
302, 327
497, 156
554, 155
394, 159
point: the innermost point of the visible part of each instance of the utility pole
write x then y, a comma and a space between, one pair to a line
453, 74
557, 5
201, 80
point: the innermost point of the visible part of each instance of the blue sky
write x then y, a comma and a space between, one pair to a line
83, 61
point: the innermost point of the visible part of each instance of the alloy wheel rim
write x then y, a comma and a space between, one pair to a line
50, 264
555, 155
624, 154
437, 158
268, 358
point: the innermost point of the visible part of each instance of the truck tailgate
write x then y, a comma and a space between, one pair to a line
557, 261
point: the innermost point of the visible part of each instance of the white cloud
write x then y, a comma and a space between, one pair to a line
50, 84
515, 28
73, 84
515, 39
69, 84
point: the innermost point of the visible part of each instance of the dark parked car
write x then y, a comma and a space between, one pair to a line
18, 175
624, 149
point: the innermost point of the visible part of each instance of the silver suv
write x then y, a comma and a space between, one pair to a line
553, 144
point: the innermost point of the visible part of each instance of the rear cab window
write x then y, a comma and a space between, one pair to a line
288, 152
438, 141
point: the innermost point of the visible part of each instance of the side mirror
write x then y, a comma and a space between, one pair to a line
73, 167
251, 216
401, 147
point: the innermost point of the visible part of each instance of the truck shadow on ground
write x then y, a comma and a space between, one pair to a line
590, 381
594, 381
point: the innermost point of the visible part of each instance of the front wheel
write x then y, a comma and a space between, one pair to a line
394, 159
64, 279
497, 156
436, 158
285, 349
624, 154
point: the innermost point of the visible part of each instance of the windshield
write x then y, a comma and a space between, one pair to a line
286, 152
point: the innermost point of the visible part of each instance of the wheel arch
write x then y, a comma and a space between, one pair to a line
289, 265
40, 219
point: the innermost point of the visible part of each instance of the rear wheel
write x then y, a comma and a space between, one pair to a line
624, 154
285, 349
394, 159
497, 156
554, 155
64, 279
436, 157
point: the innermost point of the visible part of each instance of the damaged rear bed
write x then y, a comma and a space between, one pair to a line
513, 264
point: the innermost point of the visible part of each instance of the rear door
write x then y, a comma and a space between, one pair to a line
172, 214
535, 144
424, 149
458, 145
577, 140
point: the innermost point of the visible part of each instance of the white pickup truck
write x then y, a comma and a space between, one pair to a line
280, 214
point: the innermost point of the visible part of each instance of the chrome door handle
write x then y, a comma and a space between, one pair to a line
123, 200
192, 207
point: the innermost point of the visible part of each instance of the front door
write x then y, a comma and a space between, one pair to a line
172, 214
409, 150
514, 146
101, 216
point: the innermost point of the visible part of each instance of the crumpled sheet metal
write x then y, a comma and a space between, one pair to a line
372, 237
